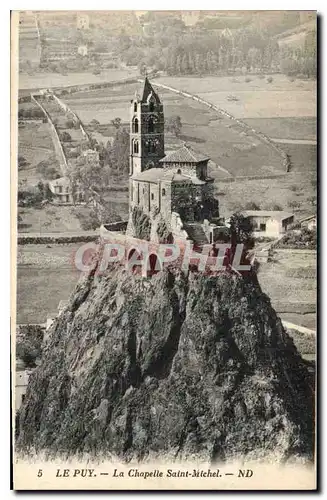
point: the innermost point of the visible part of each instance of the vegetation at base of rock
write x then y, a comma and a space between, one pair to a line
241, 230
303, 238
142, 224
29, 344
175, 366
164, 235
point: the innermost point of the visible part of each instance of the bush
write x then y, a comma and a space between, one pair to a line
48, 172
89, 221
165, 236
251, 205
142, 224
70, 124
248, 80
22, 162
294, 204
65, 137
274, 207
29, 345
270, 79
305, 239
29, 197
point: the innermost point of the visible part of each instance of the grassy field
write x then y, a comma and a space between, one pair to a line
43, 80
35, 145
229, 146
290, 282
269, 193
50, 219
45, 275
256, 98
281, 128
219, 137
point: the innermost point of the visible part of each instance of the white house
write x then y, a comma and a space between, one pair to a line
82, 50
269, 223
309, 222
61, 189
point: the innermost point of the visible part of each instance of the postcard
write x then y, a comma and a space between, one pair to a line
164, 242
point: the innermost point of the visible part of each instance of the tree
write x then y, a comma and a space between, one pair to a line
65, 137
94, 123
241, 230
174, 125
251, 205
22, 162
293, 204
142, 68
116, 122
89, 221
117, 155
70, 123
47, 171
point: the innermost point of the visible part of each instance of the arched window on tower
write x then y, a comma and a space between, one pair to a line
150, 125
151, 107
135, 126
135, 107
136, 147
151, 146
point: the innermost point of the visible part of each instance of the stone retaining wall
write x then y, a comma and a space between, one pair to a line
25, 240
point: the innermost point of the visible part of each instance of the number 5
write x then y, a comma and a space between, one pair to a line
39, 474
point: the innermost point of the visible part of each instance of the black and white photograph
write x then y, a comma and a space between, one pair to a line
165, 231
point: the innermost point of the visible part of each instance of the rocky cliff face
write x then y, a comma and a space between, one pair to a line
176, 366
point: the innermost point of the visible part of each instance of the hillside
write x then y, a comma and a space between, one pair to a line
176, 366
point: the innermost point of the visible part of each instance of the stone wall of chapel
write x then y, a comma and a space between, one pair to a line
166, 197
185, 168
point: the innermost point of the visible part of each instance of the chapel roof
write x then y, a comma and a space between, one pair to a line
184, 155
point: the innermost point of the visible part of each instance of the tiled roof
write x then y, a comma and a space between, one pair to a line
184, 155
272, 214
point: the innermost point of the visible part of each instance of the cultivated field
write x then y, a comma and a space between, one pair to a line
268, 194
236, 153
290, 282
50, 219
44, 80
282, 98
219, 137
35, 145
45, 275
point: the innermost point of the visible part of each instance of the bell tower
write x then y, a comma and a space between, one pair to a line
147, 142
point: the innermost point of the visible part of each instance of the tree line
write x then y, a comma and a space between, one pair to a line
178, 51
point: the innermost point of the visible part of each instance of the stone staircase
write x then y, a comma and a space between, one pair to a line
196, 233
